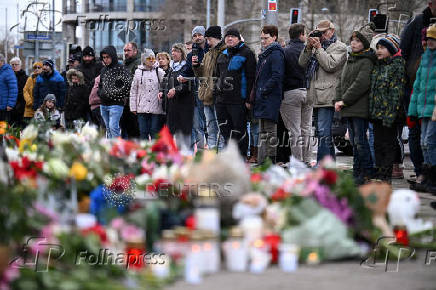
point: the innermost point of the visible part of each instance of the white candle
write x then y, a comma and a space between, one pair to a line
236, 255
288, 258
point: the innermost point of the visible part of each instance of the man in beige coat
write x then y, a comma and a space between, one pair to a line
323, 58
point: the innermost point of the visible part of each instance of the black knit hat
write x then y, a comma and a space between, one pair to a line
213, 31
48, 62
234, 32
88, 51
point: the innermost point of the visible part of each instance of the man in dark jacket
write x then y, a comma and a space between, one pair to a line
49, 81
114, 90
90, 70
268, 92
236, 68
8, 89
296, 110
129, 121
411, 50
17, 117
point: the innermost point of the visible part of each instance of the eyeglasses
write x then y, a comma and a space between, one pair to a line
15, 64
37, 67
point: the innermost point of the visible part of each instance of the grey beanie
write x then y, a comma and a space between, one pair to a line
50, 97
199, 29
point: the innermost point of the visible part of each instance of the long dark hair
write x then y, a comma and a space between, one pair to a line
45, 110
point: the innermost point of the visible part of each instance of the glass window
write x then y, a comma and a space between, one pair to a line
107, 5
148, 5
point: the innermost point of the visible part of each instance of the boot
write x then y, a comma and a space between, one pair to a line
253, 154
425, 173
430, 186
397, 172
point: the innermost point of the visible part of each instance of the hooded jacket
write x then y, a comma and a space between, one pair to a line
268, 84
28, 96
387, 90
8, 87
49, 84
206, 71
115, 80
422, 101
145, 89
77, 101
236, 69
354, 84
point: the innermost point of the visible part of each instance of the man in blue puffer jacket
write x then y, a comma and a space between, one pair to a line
8, 89
50, 81
269, 92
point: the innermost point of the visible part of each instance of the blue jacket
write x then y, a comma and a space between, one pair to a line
269, 83
53, 84
422, 101
8, 87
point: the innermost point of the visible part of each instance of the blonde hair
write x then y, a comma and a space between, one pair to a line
164, 54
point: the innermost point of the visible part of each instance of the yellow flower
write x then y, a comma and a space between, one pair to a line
3, 127
33, 147
24, 143
78, 171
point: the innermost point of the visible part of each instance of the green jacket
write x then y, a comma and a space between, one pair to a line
387, 90
424, 88
132, 64
206, 71
354, 84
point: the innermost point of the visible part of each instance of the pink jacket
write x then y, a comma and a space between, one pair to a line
94, 99
144, 91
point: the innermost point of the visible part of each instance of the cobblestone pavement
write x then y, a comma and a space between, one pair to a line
346, 275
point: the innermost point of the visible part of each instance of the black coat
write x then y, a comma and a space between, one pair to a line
180, 108
236, 68
90, 72
21, 82
294, 74
77, 101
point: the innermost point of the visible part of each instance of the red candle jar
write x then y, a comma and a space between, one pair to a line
273, 241
135, 255
401, 235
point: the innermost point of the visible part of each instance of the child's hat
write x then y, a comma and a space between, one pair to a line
365, 34
431, 32
50, 97
391, 42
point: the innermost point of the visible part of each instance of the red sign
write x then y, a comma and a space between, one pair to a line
272, 6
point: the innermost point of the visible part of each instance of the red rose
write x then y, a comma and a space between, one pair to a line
329, 177
279, 195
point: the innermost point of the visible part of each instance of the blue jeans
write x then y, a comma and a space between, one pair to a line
111, 116
428, 141
212, 128
149, 125
324, 133
362, 163
198, 124
371, 142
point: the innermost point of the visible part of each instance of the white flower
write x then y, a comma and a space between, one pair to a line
160, 173
142, 179
57, 168
59, 138
89, 132
12, 154
30, 132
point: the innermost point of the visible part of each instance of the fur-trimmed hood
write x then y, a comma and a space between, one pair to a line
76, 72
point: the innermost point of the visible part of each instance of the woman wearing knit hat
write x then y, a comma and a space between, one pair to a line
385, 104
28, 91
421, 107
352, 94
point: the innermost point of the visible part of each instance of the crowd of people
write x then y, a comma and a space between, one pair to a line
214, 89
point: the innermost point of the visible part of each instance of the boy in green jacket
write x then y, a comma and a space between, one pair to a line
421, 107
387, 89
352, 95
